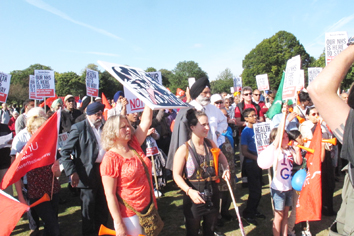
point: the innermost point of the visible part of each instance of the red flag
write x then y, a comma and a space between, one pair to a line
11, 211
107, 106
309, 204
39, 151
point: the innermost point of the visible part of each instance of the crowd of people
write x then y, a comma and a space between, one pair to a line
119, 165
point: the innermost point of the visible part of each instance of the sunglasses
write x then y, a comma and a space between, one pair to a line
218, 102
247, 94
315, 114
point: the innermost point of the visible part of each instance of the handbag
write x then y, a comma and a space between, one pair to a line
149, 218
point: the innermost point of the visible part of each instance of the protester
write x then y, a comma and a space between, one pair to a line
98, 99
83, 169
69, 114
305, 101
339, 117
21, 120
201, 194
344, 97
5, 158
5, 114
230, 109
217, 100
56, 105
254, 173
12, 122
126, 172
119, 105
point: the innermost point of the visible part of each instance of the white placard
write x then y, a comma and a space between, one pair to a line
232, 90
262, 82
32, 88
45, 85
92, 83
335, 43
313, 72
134, 103
300, 80
293, 65
144, 87
4, 86
237, 84
156, 76
191, 81
261, 135
4, 141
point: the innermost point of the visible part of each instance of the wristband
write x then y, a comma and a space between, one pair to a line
187, 191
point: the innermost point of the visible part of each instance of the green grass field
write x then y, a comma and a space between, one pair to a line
170, 209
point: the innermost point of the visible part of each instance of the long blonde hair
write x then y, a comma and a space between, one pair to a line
34, 123
111, 131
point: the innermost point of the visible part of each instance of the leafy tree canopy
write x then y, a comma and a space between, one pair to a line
223, 82
270, 57
150, 69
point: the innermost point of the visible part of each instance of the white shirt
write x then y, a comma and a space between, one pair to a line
217, 119
97, 132
282, 179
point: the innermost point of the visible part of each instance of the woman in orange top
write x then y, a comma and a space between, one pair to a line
123, 172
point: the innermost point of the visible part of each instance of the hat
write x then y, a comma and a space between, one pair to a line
198, 87
228, 96
98, 98
215, 97
117, 95
85, 101
57, 102
93, 108
68, 96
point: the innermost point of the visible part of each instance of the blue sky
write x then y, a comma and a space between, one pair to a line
68, 35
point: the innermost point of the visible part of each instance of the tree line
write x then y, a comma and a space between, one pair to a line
269, 56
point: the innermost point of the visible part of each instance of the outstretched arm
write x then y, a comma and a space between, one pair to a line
323, 92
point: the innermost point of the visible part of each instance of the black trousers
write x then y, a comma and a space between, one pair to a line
328, 184
33, 219
254, 187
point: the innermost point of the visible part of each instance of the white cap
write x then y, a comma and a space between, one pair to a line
215, 97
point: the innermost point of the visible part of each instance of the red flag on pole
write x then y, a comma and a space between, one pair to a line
39, 151
107, 106
11, 211
309, 204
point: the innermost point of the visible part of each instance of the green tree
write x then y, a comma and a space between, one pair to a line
223, 82
166, 77
109, 85
70, 83
182, 72
150, 69
270, 56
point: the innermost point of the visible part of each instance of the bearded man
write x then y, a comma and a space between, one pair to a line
83, 169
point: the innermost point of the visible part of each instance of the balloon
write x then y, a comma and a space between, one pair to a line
266, 157
299, 179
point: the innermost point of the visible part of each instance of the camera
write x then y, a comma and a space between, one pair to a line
207, 197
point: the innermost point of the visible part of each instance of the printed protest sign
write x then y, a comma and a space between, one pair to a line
45, 86
134, 103
191, 81
92, 83
300, 80
313, 72
4, 86
261, 135
262, 82
32, 88
144, 87
237, 84
291, 77
232, 90
335, 43
156, 76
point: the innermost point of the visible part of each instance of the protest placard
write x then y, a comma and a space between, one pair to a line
191, 81
335, 42
291, 78
232, 90
134, 103
32, 88
313, 72
92, 83
261, 135
300, 80
4, 86
262, 82
156, 76
45, 86
237, 84
144, 87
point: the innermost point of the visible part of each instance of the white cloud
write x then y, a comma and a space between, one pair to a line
44, 6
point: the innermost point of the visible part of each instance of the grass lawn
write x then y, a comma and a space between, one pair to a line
170, 209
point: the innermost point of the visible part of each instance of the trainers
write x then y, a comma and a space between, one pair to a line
292, 233
306, 233
250, 220
260, 215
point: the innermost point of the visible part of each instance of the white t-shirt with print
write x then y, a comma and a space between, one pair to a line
282, 179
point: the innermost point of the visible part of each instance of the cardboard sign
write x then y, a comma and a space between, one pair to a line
45, 86
335, 43
261, 135
156, 76
232, 90
92, 83
300, 80
291, 78
191, 81
262, 82
32, 88
4, 86
144, 87
237, 84
313, 72
134, 103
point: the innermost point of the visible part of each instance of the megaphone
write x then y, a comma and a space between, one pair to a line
331, 141
42, 199
106, 231
302, 147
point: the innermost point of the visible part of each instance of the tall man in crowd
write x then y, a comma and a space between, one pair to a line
21, 120
83, 169
5, 114
69, 114
340, 118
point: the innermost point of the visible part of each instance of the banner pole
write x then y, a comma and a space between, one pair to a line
155, 177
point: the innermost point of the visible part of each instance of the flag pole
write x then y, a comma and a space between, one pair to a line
155, 177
